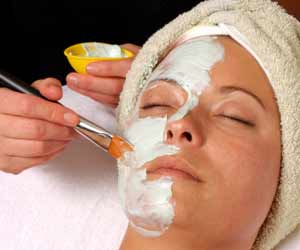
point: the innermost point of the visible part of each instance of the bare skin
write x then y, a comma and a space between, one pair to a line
232, 141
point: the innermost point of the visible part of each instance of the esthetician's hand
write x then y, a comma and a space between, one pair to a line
33, 130
104, 80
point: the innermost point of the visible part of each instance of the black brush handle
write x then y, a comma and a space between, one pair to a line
10, 81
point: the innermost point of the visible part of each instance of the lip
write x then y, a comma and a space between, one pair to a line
172, 166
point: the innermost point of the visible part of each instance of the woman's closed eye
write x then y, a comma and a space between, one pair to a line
238, 119
162, 98
236, 111
155, 105
158, 109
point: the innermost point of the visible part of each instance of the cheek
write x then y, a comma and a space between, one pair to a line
239, 182
245, 177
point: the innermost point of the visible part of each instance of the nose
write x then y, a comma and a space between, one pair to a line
183, 133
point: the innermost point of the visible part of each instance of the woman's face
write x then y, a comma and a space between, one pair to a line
226, 171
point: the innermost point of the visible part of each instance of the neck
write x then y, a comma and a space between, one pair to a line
177, 240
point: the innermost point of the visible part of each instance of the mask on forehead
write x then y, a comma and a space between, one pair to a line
147, 203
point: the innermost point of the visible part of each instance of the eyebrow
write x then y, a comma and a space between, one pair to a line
234, 88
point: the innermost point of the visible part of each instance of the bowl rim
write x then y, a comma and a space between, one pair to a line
129, 53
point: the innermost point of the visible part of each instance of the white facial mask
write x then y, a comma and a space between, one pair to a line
148, 204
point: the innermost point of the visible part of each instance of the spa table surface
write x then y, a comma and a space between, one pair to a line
71, 202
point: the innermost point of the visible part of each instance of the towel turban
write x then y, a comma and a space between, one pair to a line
273, 37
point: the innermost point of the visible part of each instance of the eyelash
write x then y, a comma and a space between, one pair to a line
150, 106
237, 119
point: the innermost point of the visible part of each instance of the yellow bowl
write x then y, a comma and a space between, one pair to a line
76, 56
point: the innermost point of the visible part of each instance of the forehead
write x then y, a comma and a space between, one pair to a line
188, 64
219, 61
240, 69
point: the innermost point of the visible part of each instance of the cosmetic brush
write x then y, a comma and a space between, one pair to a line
111, 143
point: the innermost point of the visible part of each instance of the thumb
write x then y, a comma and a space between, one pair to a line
49, 87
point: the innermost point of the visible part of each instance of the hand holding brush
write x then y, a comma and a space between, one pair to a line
35, 129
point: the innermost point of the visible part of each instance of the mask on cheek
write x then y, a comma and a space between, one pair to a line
148, 204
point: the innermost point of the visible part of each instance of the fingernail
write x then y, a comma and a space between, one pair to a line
70, 118
90, 68
53, 89
73, 80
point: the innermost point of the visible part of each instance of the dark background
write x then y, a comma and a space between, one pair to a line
35, 33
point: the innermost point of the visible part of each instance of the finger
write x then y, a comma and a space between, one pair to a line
49, 87
131, 47
16, 165
105, 99
30, 148
101, 85
32, 129
110, 68
30, 106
